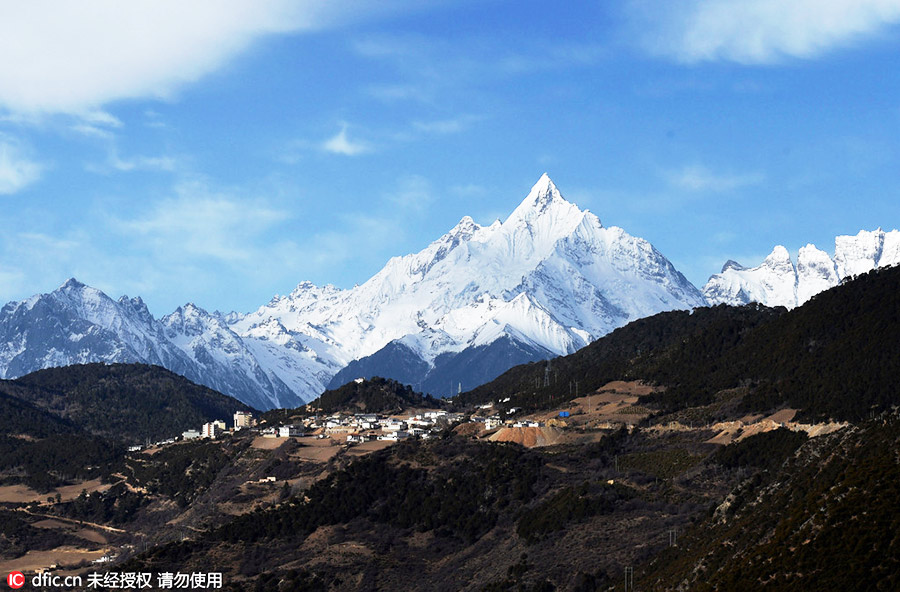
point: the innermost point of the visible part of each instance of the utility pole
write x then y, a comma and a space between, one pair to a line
673, 537
629, 579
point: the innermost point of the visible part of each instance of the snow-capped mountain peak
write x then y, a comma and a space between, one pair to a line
136, 308
466, 227
544, 207
777, 282
70, 284
779, 257
858, 254
547, 280
542, 195
732, 264
548, 277
815, 272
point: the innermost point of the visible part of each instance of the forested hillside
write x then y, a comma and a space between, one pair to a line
129, 402
375, 395
834, 357
828, 518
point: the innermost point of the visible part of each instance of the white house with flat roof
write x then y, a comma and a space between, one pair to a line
286, 431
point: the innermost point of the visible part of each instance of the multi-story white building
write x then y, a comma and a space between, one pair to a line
243, 419
213, 428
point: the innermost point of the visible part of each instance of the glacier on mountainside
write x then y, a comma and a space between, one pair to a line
550, 277
777, 282
546, 281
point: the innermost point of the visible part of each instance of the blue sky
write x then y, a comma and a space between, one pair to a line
222, 151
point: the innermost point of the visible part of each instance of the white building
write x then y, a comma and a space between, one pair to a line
286, 431
492, 422
243, 419
213, 428
418, 421
393, 426
394, 436
190, 434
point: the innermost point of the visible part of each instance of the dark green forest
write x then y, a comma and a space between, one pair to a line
459, 497
374, 395
827, 518
182, 472
58, 460
127, 402
833, 358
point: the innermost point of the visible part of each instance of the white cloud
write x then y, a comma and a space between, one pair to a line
168, 251
552, 55
73, 57
16, 170
362, 238
341, 144
699, 178
413, 193
724, 236
758, 31
101, 118
390, 93
142, 163
92, 131
96, 124
469, 190
446, 126
36, 261
199, 223
12, 283
430, 69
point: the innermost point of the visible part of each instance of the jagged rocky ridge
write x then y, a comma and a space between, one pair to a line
779, 282
78, 324
480, 299
547, 281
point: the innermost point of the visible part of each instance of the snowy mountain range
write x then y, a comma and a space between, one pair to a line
547, 281
77, 324
478, 300
475, 302
779, 282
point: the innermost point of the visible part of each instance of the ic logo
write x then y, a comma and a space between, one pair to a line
15, 579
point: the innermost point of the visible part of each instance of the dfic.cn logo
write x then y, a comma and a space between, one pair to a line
15, 579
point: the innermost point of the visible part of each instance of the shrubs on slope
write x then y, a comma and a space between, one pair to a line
460, 496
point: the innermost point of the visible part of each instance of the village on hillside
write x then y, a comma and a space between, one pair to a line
613, 406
